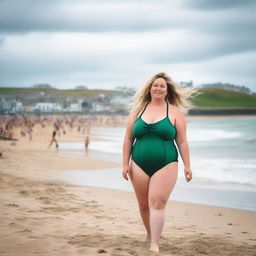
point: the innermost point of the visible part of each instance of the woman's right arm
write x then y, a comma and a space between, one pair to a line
127, 146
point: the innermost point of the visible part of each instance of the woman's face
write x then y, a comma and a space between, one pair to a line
158, 89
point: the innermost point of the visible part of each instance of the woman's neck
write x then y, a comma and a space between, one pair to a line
158, 102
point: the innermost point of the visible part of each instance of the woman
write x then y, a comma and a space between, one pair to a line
151, 163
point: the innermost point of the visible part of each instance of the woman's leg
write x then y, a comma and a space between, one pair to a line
160, 187
140, 182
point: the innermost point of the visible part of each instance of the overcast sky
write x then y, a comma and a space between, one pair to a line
109, 43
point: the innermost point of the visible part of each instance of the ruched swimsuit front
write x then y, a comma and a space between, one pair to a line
154, 145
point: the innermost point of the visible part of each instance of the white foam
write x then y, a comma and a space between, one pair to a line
103, 146
198, 135
225, 170
107, 146
72, 145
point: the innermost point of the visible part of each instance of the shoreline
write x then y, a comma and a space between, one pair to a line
237, 196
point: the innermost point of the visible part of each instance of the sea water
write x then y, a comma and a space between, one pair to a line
223, 161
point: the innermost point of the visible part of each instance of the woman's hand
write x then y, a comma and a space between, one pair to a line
188, 174
126, 172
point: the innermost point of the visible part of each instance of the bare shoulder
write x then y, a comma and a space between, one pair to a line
176, 112
131, 118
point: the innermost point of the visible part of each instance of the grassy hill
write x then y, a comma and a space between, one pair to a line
71, 92
209, 98
217, 98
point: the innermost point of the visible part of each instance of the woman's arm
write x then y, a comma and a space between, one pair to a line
127, 146
182, 143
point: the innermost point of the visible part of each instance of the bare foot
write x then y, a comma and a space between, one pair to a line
154, 248
147, 238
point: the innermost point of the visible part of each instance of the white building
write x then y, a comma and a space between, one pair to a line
97, 107
5, 104
10, 105
118, 100
47, 107
75, 107
19, 107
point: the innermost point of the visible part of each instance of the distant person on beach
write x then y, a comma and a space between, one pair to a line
30, 130
150, 156
87, 141
54, 137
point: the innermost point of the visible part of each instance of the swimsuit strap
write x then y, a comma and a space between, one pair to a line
143, 110
167, 109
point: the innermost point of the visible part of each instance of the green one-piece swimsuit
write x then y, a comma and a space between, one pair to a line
154, 145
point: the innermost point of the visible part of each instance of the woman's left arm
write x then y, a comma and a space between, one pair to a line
182, 143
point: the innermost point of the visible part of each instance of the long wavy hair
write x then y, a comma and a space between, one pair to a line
176, 95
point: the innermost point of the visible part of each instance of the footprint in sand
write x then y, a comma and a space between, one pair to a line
37, 224
16, 225
12, 205
24, 231
44, 199
61, 209
24, 192
98, 216
20, 218
179, 228
101, 251
110, 244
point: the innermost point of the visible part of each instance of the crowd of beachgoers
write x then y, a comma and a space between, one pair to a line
24, 124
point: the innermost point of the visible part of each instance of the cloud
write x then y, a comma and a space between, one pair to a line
79, 16
110, 16
223, 32
111, 59
1, 41
218, 4
77, 51
108, 43
190, 46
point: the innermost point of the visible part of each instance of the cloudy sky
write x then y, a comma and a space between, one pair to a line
109, 43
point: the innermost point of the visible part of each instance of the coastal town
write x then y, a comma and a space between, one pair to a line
43, 99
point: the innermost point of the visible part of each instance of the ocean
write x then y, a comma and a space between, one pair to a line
223, 162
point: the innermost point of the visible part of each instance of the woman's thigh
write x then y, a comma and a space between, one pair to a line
140, 181
162, 183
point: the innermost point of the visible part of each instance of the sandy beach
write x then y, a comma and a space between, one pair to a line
39, 217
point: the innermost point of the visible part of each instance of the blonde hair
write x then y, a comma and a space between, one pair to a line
176, 95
